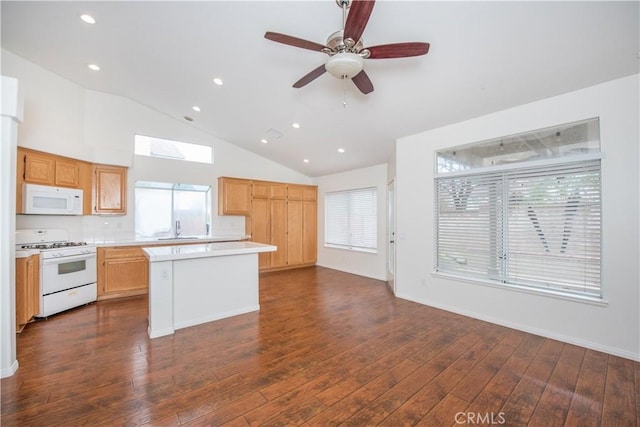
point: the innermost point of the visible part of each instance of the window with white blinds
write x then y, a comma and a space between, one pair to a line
529, 226
351, 220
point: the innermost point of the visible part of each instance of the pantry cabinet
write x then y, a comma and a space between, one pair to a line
27, 290
109, 189
280, 214
261, 221
122, 271
309, 225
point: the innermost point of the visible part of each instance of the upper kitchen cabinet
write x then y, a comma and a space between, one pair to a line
37, 167
49, 169
109, 189
234, 196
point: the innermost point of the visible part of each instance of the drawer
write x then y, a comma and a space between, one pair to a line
124, 252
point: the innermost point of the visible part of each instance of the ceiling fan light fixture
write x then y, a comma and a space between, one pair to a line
344, 64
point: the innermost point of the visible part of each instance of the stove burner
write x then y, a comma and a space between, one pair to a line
54, 245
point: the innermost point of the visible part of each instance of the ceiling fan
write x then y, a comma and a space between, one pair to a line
346, 49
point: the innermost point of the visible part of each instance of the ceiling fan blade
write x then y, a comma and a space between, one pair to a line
398, 50
310, 77
293, 41
359, 13
362, 82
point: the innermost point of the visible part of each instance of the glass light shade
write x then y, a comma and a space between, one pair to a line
344, 64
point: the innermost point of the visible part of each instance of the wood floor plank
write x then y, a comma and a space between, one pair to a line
499, 388
553, 406
524, 398
326, 348
586, 404
619, 405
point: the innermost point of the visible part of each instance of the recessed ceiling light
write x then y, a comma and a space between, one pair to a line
196, 108
264, 141
340, 150
88, 19
94, 67
296, 125
218, 81
306, 160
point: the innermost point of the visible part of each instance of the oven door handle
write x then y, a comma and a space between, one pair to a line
57, 260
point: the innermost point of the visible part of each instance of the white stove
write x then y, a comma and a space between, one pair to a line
68, 270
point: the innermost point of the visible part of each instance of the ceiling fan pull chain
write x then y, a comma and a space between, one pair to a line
344, 102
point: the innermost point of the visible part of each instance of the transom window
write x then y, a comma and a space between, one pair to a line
523, 211
176, 150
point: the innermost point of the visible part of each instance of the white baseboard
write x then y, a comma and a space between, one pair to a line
357, 273
223, 315
9, 371
525, 328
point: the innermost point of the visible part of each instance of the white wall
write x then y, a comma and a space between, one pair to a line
63, 118
360, 263
614, 327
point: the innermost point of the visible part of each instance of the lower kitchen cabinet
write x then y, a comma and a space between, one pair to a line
122, 271
27, 290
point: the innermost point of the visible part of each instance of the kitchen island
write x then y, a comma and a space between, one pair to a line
194, 284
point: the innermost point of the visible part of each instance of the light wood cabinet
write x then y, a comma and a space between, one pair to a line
27, 290
310, 230
294, 232
234, 196
279, 214
67, 173
49, 169
261, 228
122, 271
278, 191
278, 219
37, 167
109, 189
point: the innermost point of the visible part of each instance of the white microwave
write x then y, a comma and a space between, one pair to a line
47, 200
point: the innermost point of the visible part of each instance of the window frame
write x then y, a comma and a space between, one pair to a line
143, 146
511, 284
173, 188
350, 246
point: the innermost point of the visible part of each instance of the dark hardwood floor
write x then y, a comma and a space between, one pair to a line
326, 348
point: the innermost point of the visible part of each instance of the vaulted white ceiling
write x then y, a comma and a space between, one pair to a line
484, 57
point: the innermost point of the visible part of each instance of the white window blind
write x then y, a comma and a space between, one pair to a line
351, 219
529, 226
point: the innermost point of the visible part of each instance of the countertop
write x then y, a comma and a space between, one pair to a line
173, 253
26, 253
179, 241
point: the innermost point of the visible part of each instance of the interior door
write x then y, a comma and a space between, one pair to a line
391, 241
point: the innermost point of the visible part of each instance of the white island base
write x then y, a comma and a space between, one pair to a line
194, 284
